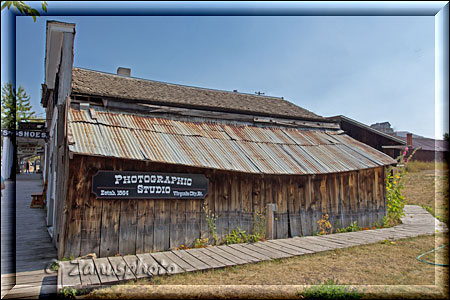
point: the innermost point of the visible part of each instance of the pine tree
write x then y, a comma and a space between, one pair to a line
15, 106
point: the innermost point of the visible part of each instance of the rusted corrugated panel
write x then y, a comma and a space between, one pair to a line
253, 152
239, 148
363, 160
238, 156
347, 161
121, 141
367, 151
298, 137
315, 153
304, 161
318, 137
281, 136
88, 139
153, 146
292, 165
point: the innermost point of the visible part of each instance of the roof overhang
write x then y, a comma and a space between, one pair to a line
359, 124
55, 33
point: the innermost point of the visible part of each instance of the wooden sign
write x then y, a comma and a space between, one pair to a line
148, 185
32, 126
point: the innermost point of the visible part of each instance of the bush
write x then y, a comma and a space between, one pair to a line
394, 185
236, 237
330, 290
201, 243
67, 293
259, 223
352, 228
240, 236
325, 225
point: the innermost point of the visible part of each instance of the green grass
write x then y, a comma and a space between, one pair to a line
330, 289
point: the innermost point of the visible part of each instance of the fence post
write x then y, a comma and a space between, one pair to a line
270, 218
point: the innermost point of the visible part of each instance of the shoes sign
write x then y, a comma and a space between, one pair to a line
25, 133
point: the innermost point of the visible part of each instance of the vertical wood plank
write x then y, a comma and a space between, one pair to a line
109, 238
75, 211
161, 229
140, 230
293, 220
127, 227
67, 213
192, 228
345, 200
149, 227
302, 190
247, 205
226, 206
235, 207
308, 216
177, 223
281, 209
218, 202
92, 213
209, 202
284, 204
354, 201
256, 193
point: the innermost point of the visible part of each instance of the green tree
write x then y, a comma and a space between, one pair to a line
446, 136
16, 106
24, 9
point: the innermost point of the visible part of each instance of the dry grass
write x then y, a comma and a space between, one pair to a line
375, 264
390, 270
417, 166
427, 186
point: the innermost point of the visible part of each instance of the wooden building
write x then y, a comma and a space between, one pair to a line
427, 149
134, 161
382, 141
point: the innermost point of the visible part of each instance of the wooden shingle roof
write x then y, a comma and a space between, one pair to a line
94, 83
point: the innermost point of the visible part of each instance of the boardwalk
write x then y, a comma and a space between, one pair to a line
23, 268
100, 271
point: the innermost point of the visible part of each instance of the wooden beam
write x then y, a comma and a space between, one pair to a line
215, 113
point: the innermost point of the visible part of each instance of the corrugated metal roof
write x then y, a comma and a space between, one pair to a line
242, 148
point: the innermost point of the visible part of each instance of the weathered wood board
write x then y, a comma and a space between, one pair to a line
110, 227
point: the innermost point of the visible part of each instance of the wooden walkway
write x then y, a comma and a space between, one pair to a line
27, 252
110, 270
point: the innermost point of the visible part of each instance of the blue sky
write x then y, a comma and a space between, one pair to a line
371, 69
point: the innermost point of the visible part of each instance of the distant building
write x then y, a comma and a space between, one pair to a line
383, 127
429, 149
375, 138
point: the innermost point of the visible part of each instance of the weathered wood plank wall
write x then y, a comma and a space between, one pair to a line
110, 227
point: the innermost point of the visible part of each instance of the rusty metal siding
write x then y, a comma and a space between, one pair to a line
241, 148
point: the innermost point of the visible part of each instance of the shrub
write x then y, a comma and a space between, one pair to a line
394, 185
240, 236
201, 243
236, 237
259, 224
351, 228
67, 293
211, 219
325, 225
